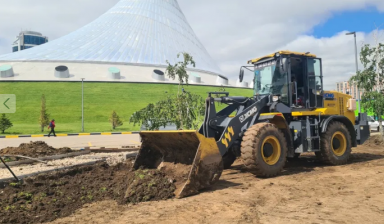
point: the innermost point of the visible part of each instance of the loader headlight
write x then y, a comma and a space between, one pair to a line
275, 98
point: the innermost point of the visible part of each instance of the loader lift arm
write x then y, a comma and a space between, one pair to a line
227, 130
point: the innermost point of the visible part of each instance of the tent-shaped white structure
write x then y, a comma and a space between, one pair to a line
134, 37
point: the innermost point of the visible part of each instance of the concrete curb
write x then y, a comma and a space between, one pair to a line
69, 135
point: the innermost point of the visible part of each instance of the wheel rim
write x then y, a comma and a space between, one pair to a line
339, 143
271, 150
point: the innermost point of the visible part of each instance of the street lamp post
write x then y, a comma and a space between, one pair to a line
357, 67
82, 104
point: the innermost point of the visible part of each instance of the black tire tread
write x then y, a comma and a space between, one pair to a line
250, 154
326, 154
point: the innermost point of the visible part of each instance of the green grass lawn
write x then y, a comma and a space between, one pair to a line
63, 101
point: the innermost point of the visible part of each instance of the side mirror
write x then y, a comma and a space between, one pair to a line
241, 75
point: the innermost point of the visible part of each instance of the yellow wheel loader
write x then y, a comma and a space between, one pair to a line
288, 114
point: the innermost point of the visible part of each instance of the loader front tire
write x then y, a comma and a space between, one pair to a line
264, 150
335, 144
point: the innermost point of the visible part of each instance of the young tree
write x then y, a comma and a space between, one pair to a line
179, 70
153, 116
184, 109
371, 80
5, 123
44, 116
115, 121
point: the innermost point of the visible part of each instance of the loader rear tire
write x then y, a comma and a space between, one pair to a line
264, 150
335, 144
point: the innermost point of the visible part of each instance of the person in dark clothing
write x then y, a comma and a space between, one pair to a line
52, 127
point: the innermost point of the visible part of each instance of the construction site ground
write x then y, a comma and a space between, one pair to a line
306, 192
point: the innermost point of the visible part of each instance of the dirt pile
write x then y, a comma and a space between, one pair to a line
47, 197
374, 140
179, 172
34, 149
156, 184
148, 185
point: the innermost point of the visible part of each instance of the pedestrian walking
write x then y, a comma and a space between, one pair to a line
52, 127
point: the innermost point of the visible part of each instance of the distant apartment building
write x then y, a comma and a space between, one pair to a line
28, 39
346, 88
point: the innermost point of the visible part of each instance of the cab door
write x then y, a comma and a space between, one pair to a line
315, 83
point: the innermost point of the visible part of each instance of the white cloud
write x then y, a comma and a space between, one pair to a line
337, 53
236, 31
52, 18
232, 31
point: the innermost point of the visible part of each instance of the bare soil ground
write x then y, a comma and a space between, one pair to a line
111, 159
59, 194
306, 192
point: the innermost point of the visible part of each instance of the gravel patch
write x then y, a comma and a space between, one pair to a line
111, 158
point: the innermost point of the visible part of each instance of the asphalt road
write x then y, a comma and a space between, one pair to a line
77, 142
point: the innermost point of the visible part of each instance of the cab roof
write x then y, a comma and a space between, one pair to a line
253, 61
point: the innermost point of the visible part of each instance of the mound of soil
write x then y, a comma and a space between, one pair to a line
375, 140
47, 197
34, 149
147, 185
178, 171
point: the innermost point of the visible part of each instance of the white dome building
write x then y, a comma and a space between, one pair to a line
129, 43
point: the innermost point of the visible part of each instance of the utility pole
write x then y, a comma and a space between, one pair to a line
82, 104
357, 68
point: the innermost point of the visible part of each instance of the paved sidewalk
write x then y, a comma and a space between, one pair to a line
77, 142
68, 135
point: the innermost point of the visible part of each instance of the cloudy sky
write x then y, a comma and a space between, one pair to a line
232, 31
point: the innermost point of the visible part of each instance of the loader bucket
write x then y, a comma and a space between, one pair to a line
193, 159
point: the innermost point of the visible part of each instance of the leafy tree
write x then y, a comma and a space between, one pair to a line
44, 116
149, 117
371, 79
5, 123
115, 121
185, 109
179, 70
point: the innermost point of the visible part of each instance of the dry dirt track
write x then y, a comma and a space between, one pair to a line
307, 192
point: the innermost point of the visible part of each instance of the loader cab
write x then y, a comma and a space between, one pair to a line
295, 77
306, 76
